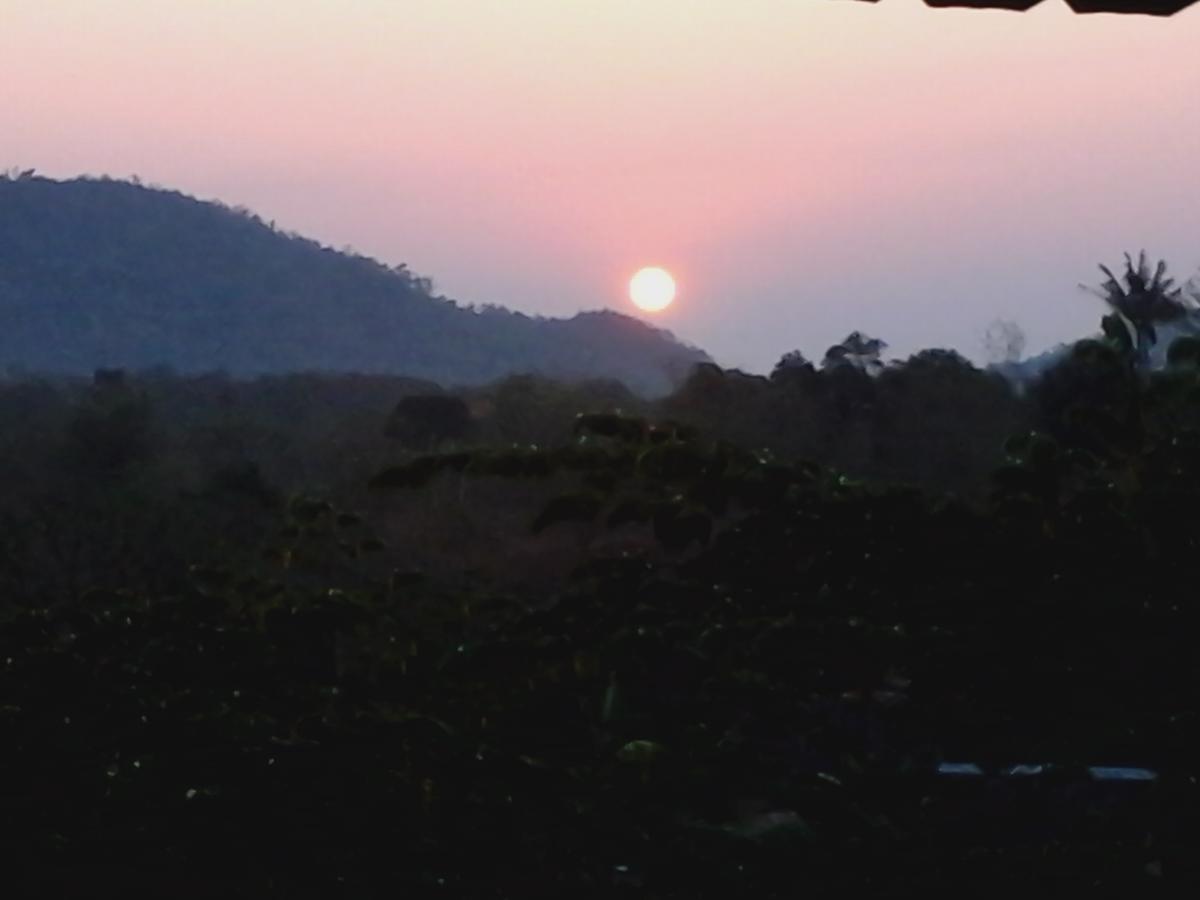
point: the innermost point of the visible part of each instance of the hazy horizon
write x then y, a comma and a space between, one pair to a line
804, 169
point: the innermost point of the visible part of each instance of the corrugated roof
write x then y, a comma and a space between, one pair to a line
1134, 7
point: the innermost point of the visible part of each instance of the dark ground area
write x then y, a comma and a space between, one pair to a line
322, 636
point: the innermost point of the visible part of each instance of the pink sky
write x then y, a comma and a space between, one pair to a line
805, 167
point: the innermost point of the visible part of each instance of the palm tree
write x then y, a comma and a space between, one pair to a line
1140, 301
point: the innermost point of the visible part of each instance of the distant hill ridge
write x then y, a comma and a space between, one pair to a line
100, 272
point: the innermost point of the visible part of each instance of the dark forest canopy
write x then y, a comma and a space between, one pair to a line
858, 628
1138, 7
98, 272
316, 636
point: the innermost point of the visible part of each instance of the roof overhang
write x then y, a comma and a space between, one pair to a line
1133, 7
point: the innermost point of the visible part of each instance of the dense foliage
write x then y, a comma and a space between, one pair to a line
289, 637
109, 273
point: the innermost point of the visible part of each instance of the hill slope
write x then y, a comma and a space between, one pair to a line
110, 273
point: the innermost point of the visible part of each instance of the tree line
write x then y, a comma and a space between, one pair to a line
287, 637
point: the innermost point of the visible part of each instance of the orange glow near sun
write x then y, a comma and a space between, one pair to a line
652, 289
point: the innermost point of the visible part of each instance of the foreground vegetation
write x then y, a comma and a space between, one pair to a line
293, 638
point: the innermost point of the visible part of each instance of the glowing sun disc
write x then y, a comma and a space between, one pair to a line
652, 289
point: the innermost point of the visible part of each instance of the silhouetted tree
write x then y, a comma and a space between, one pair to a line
858, 350
792, 367
1004, 342
1140, 300
426, 420
941, 421
1090, 399
111, 430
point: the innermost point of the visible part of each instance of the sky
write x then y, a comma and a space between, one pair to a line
804, 167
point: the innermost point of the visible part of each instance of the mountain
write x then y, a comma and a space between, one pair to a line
100, 273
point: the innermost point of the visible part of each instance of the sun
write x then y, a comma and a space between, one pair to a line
652, 289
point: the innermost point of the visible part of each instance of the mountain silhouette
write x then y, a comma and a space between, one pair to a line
107, 273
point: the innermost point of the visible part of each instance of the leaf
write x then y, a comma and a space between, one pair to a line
1184, 352
612, 701
1117, 330
678, 527
612, 425
307, 510
629, 511
673, 462
516, 463
568, 508
640, 752
777, 825
420, 471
